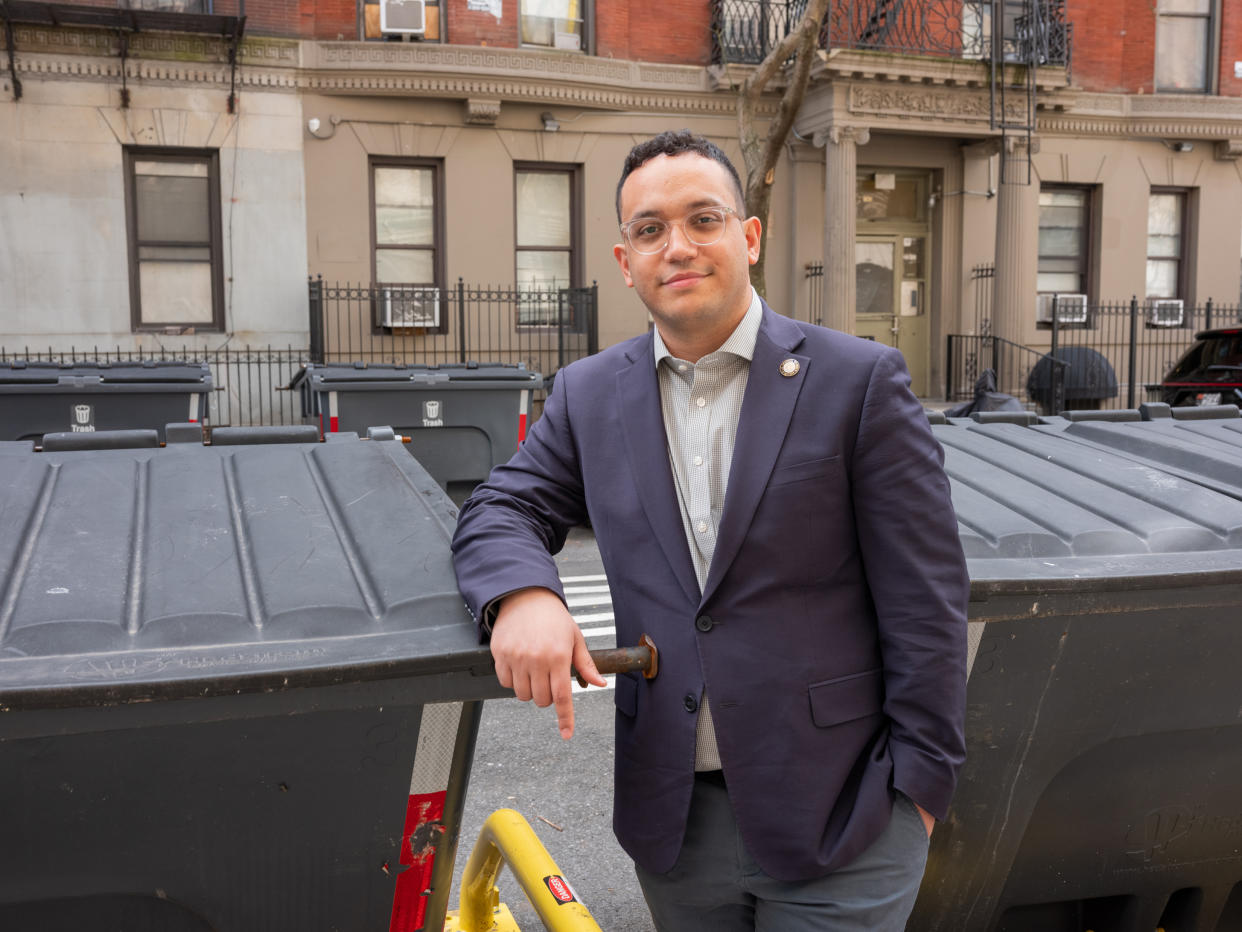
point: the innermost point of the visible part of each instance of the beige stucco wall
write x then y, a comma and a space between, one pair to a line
64, 277
479, 233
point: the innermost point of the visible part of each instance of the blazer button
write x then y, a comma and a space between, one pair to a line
690, 703
704, 623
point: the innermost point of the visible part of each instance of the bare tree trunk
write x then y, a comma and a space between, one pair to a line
761, 155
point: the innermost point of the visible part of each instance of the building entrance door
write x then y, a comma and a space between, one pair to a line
891, 303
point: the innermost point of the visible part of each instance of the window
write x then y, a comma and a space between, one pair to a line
406, 235
1166, 239
556, 24
1064, 240
402, 14
546, 199
172, 202
1184, 45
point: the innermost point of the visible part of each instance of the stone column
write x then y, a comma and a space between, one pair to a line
840, 221
1017, 244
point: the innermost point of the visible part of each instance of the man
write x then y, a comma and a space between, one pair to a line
770, 506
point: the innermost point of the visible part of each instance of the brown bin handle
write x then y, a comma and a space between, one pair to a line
644, 657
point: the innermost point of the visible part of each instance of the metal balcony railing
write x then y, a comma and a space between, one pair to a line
744, 31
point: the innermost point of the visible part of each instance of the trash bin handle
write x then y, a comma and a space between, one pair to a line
643, 658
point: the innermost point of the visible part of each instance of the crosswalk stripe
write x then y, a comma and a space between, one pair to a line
594, 616
582, 579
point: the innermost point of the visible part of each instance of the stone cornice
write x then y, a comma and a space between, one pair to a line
1144, 115
363, 68
183, 48
934, 70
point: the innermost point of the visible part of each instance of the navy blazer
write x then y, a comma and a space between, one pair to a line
830, 633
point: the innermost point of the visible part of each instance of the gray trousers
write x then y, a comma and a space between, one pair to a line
716, 886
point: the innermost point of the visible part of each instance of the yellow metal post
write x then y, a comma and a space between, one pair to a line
507, 838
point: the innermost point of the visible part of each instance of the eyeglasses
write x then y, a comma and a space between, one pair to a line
647, 235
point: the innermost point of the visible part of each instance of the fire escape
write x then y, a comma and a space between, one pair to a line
1012, 39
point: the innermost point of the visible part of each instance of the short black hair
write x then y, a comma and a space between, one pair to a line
678, 142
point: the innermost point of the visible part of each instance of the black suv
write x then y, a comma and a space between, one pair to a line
1210, 373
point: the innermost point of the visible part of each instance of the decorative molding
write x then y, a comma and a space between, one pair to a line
481, 111
926, 102
155, 72
838, 134
178, 47
935, 70
1229, 150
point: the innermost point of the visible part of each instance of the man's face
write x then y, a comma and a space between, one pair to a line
689, 289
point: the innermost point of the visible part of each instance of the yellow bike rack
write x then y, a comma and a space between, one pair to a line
507, 838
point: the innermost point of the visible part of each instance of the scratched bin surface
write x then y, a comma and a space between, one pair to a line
214, 668
1104, 701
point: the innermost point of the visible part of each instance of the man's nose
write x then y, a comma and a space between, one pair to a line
678, 243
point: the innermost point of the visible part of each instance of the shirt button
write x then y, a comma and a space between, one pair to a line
698, 461
701, 402
690, 703
704, 623
702, 526
681, 367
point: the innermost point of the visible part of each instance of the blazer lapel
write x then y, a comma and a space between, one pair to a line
642, 425
767, 408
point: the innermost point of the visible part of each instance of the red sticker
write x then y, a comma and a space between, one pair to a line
560, 889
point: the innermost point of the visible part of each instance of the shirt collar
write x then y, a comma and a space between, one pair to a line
741, 341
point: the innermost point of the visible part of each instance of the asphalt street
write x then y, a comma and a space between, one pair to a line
563, 788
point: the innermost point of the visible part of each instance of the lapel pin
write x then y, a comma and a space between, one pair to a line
789, 368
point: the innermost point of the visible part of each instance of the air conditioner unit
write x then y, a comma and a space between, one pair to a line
409, 307
1165, 312
1071, 308
403, 17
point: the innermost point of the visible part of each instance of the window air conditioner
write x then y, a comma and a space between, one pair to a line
403, 17
409, 307
1071, 308
1165, 312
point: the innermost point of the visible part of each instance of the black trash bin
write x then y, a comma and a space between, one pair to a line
1087, 380
1104, 703
238, 688
461, 418
38, 398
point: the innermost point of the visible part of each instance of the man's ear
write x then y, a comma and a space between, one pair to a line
753, 229
623, 260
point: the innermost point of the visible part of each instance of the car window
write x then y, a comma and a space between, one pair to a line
1225, 351
1188, 363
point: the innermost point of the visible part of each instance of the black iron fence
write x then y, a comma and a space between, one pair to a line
1115, 354
249, 382
545, 330
744, 31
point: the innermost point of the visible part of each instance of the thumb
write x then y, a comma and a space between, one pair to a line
584, 664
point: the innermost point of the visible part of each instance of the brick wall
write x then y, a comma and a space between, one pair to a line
1115, 45
476, 27
670, 31
1230, 47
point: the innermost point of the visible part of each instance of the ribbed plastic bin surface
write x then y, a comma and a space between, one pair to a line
1100, 789
38, 398
237, 688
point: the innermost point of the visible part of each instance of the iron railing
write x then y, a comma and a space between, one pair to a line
744, 31
1131, 344
544, 330
249, 383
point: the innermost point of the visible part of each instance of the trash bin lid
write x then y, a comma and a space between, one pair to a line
21, 373
1039, 510
1088, 375
1206, 452
192, 570
362, 376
